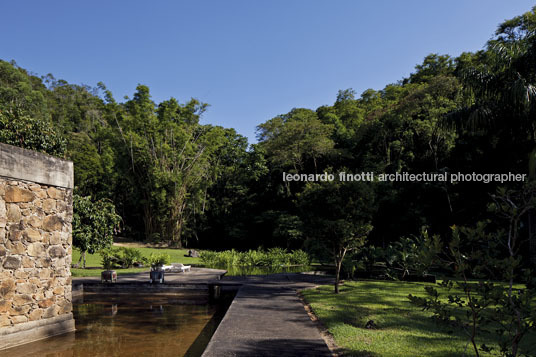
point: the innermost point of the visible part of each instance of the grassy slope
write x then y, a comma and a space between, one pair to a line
403, 329
94, 260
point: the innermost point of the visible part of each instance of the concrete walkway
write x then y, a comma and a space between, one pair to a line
267, 318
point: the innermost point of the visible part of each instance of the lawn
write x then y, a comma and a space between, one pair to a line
402, 329
94, 261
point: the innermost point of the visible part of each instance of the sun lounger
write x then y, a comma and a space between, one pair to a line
176, 268
181, 267
167, 267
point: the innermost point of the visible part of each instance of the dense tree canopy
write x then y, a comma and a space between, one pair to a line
176, 180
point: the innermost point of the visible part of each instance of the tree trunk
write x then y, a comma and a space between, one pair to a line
337, 277
82, 260
148, 220
339, 257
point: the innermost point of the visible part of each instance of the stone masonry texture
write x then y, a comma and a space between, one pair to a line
35, 251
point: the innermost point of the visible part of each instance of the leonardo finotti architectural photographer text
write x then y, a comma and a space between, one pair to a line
407, 177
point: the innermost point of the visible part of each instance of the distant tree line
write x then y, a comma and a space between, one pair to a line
174, 179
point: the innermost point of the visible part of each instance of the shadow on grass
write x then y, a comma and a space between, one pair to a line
386, 303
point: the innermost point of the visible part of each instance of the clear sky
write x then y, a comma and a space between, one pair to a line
249, 59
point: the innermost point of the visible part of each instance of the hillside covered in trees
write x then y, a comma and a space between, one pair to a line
173, 179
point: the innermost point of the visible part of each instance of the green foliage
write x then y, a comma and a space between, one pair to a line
293, 138
338, 216
300, 257
411, 255
22, 93
121, 257
110, 258
158, 260
94, 224
407, 258
89, 169
95, 261
272, 257
246, 270
169, 161
30, 133
175, 180
507, 311
109, 261
480, 309
228, 257
434, 65
131, 257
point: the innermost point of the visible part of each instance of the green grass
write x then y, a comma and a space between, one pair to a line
403, 329
94, 260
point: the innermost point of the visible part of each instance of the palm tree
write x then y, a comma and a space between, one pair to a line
501, 89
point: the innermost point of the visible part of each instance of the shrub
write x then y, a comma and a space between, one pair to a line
505, 309
405, 257
272, 257
26, 131
131, 256
299, 257
254, 258
110, 258
277, 256
208, 257
121, 257
157, 260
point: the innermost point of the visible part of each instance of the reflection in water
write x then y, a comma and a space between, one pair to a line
134, 327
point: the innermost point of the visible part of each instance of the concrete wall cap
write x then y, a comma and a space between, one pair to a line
28, 165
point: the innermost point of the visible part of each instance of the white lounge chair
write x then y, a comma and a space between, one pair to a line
176, 268
180, 267
167, 267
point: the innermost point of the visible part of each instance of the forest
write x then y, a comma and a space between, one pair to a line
172, 179
433, 175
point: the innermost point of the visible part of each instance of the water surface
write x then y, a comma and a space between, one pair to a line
130, 326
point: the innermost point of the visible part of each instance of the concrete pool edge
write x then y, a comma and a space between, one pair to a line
196, 293
32, 331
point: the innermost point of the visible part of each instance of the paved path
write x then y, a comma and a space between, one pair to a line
267, 318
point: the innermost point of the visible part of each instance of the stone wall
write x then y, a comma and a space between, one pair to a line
35, 251
35, 256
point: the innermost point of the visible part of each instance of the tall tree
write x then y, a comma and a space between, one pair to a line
338, 217
294, 138
501, 89
169, 160
94, 225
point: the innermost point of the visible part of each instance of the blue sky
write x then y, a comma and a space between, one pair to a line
249, 59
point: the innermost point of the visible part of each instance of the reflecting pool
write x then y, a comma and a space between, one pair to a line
131, 326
